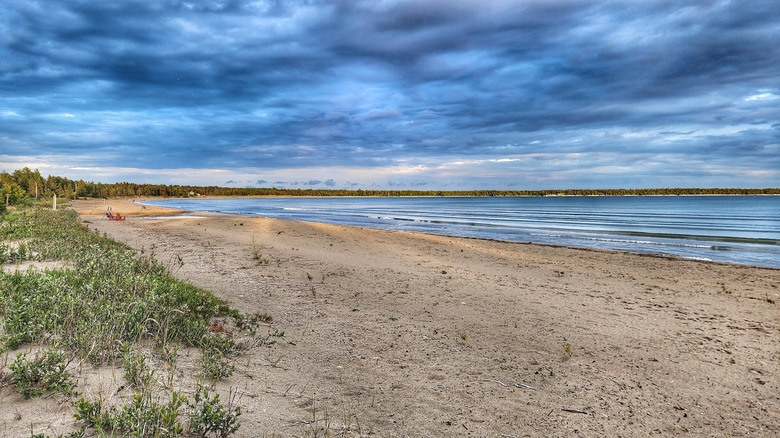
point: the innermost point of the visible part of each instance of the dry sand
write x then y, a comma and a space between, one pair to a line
403, 334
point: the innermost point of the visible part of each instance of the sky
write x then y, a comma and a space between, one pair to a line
391, 94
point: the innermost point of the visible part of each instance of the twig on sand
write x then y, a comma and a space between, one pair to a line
495, 381
245, 392
524, 386
576, 411
508, 436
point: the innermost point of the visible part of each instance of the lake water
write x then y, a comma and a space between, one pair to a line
736, 229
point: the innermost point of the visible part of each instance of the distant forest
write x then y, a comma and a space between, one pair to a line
25, 184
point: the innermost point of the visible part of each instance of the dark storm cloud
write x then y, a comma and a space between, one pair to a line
363, 84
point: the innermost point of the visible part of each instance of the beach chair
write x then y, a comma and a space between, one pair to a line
116, 217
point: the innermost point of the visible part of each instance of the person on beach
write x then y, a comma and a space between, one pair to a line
108, 213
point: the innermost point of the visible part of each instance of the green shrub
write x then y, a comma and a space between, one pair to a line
210, 418
45, 373
215, 366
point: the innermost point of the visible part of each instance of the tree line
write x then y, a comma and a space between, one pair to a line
24, 184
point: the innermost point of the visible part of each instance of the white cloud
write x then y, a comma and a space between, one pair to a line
762, 96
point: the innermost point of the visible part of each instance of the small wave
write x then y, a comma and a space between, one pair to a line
721, 248
626, 241
407, 219
704, 259
243, 213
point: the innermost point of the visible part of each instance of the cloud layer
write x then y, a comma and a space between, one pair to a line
467, 94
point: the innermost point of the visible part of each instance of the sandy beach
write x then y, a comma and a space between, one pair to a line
398, 334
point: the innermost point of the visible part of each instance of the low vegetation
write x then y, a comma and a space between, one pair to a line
111, 306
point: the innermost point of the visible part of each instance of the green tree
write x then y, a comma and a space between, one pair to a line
13, 193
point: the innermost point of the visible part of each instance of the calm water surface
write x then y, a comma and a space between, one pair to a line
736, 229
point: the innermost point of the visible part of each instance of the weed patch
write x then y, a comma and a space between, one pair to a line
108, 303
45, 373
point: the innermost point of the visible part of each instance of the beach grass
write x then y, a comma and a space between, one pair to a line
105, 304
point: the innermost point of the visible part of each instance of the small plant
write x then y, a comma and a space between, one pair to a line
215, 366
275, 362
137, 371
316, 430
216, 347
263, 317
45, 373
145, 414
219, 341
210, 418
176, 263
75, 434
464, 335
567, 349
92, 414
169, 355
393, 317
443, 272
257, 254
252, 323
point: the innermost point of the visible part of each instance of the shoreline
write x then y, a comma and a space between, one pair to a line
584, 248
407, 333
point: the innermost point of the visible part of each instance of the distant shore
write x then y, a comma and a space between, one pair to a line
92, 189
